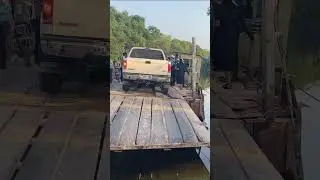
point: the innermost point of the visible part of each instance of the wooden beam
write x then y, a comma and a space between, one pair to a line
199, 64
194, 66
268, 53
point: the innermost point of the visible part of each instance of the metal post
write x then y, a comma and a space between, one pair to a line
194, 66
268, 55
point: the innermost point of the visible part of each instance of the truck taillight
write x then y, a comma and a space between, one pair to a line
47, 11
169, 67
124, 64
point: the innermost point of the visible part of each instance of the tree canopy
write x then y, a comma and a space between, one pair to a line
127, 31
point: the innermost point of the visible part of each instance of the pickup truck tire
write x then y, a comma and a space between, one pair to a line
50, 82
164, 89
125, 87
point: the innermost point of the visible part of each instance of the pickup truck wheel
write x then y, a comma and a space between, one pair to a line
125, 87
50, 83
164, 89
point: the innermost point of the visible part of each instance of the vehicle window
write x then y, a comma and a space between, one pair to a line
146, 54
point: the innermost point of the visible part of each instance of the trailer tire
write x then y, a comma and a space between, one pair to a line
50, 83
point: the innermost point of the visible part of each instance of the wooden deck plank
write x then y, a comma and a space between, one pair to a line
43, 156
188, 134
130, 127
224, 157
221, 110
120, 118
201, 131
15, 138
163, 123
84, 142
5, 114
144, 129
253, 160
159, 133
174, 133
114, 106
104, 166
111, 98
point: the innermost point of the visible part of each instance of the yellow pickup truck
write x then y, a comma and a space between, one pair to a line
146, 67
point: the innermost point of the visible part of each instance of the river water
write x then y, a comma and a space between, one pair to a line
205, 152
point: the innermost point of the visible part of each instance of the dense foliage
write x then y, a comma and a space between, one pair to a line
130, 30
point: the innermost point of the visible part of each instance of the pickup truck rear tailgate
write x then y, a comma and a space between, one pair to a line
147, 66
81, 18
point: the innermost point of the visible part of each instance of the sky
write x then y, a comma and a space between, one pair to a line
182, 19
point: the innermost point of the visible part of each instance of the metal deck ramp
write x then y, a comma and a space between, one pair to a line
154, 123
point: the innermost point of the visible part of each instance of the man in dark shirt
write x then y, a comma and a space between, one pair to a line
173, 71
6, 25
228, 25
36, 27
181, 69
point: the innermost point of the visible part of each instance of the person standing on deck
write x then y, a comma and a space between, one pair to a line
173, 71
180, 71
111, 71
6, 25
228, 25
35, 22
124, 56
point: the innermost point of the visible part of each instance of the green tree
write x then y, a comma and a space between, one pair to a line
128, 31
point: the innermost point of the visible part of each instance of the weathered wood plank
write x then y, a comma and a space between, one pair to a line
221, 110
14, 99
84, 142
111, 98
130, 127
240, 103
174, 133
188, 134
144, 129
120, 118
104, 166
17, 79
174, 93
15, 138
224, 157
201, 131
159, 133
43, 156
115, 106
253, 160
5, 114
161, 125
